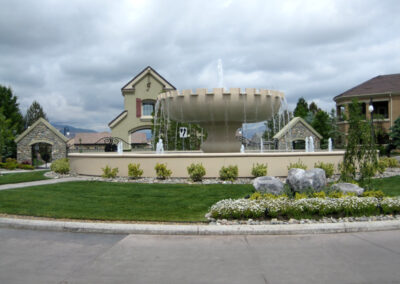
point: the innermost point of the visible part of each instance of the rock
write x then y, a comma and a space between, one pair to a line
268, 185
299, 180
348, 187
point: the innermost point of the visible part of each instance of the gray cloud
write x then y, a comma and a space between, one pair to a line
74, 56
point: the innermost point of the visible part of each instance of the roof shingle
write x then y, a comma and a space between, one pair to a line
378, 85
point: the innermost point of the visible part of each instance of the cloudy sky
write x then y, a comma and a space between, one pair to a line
74, 56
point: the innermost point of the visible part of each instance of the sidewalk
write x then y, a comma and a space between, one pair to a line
39, 182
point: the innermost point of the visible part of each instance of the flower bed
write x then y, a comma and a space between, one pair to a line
286, 208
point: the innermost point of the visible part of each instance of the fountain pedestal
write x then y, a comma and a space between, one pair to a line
221, 137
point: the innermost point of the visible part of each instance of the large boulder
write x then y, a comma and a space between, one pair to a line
348, 187
300, 180
268, 185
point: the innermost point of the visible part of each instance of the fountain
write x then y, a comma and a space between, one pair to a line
221, 112
242, 149
160, 147
307, 145
330, 144
311, 144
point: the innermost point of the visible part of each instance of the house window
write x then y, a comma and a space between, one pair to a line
341, 111
381, 109
148, 108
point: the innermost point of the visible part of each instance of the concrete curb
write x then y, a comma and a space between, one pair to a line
161, 229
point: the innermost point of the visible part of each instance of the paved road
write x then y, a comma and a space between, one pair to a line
52, 257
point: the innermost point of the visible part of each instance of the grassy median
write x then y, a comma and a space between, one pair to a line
22, 177
118, 201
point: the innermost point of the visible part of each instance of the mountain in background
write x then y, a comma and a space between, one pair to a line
72, 130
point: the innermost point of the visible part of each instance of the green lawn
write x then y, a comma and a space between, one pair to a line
390, 186
118, 201
22, 177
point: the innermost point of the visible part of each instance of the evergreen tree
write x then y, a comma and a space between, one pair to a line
301, 109
11, 116
321, 123
314, 108
7, 131
395, 133
34, 112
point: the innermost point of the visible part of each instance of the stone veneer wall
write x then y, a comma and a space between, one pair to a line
41, 134
298, 132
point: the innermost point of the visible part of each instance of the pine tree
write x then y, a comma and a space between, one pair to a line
301, 109
395, 133
12, 121
34, 112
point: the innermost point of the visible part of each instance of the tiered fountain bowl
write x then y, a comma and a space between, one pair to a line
221, 112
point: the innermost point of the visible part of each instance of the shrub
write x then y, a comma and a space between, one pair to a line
196, 172
229, 173
11, 164
335, 194
259, 170
109, 172
300, 195
382, 165
161, 171
327, 167
134, 171
319, 194
389, 162
373, 193
60, 166
25, 167
298, 165
2, 165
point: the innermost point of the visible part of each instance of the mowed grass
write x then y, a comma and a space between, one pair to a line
22, 177
118, 201
390, 186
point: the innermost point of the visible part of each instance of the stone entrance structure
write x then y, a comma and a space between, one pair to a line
38, 134
295, 132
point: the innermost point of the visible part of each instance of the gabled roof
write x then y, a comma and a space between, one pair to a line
48, 125
292, 123
89, 138
119, 118
144, 72
382, 84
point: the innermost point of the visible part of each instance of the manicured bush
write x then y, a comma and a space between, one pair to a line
297, 165
259, 170
229, 173
134, 171
162, 171
319, 194
196, 172
329, 168
109, 172
60, 166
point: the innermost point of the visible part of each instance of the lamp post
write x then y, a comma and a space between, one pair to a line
371, 111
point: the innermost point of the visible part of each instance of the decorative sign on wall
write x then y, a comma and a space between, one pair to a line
183, 133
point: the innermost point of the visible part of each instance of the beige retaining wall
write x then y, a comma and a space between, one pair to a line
91, 164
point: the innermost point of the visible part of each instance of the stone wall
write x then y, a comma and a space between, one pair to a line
297, 132
40, 134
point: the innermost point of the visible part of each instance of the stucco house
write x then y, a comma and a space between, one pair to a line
140, 95
383, 90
